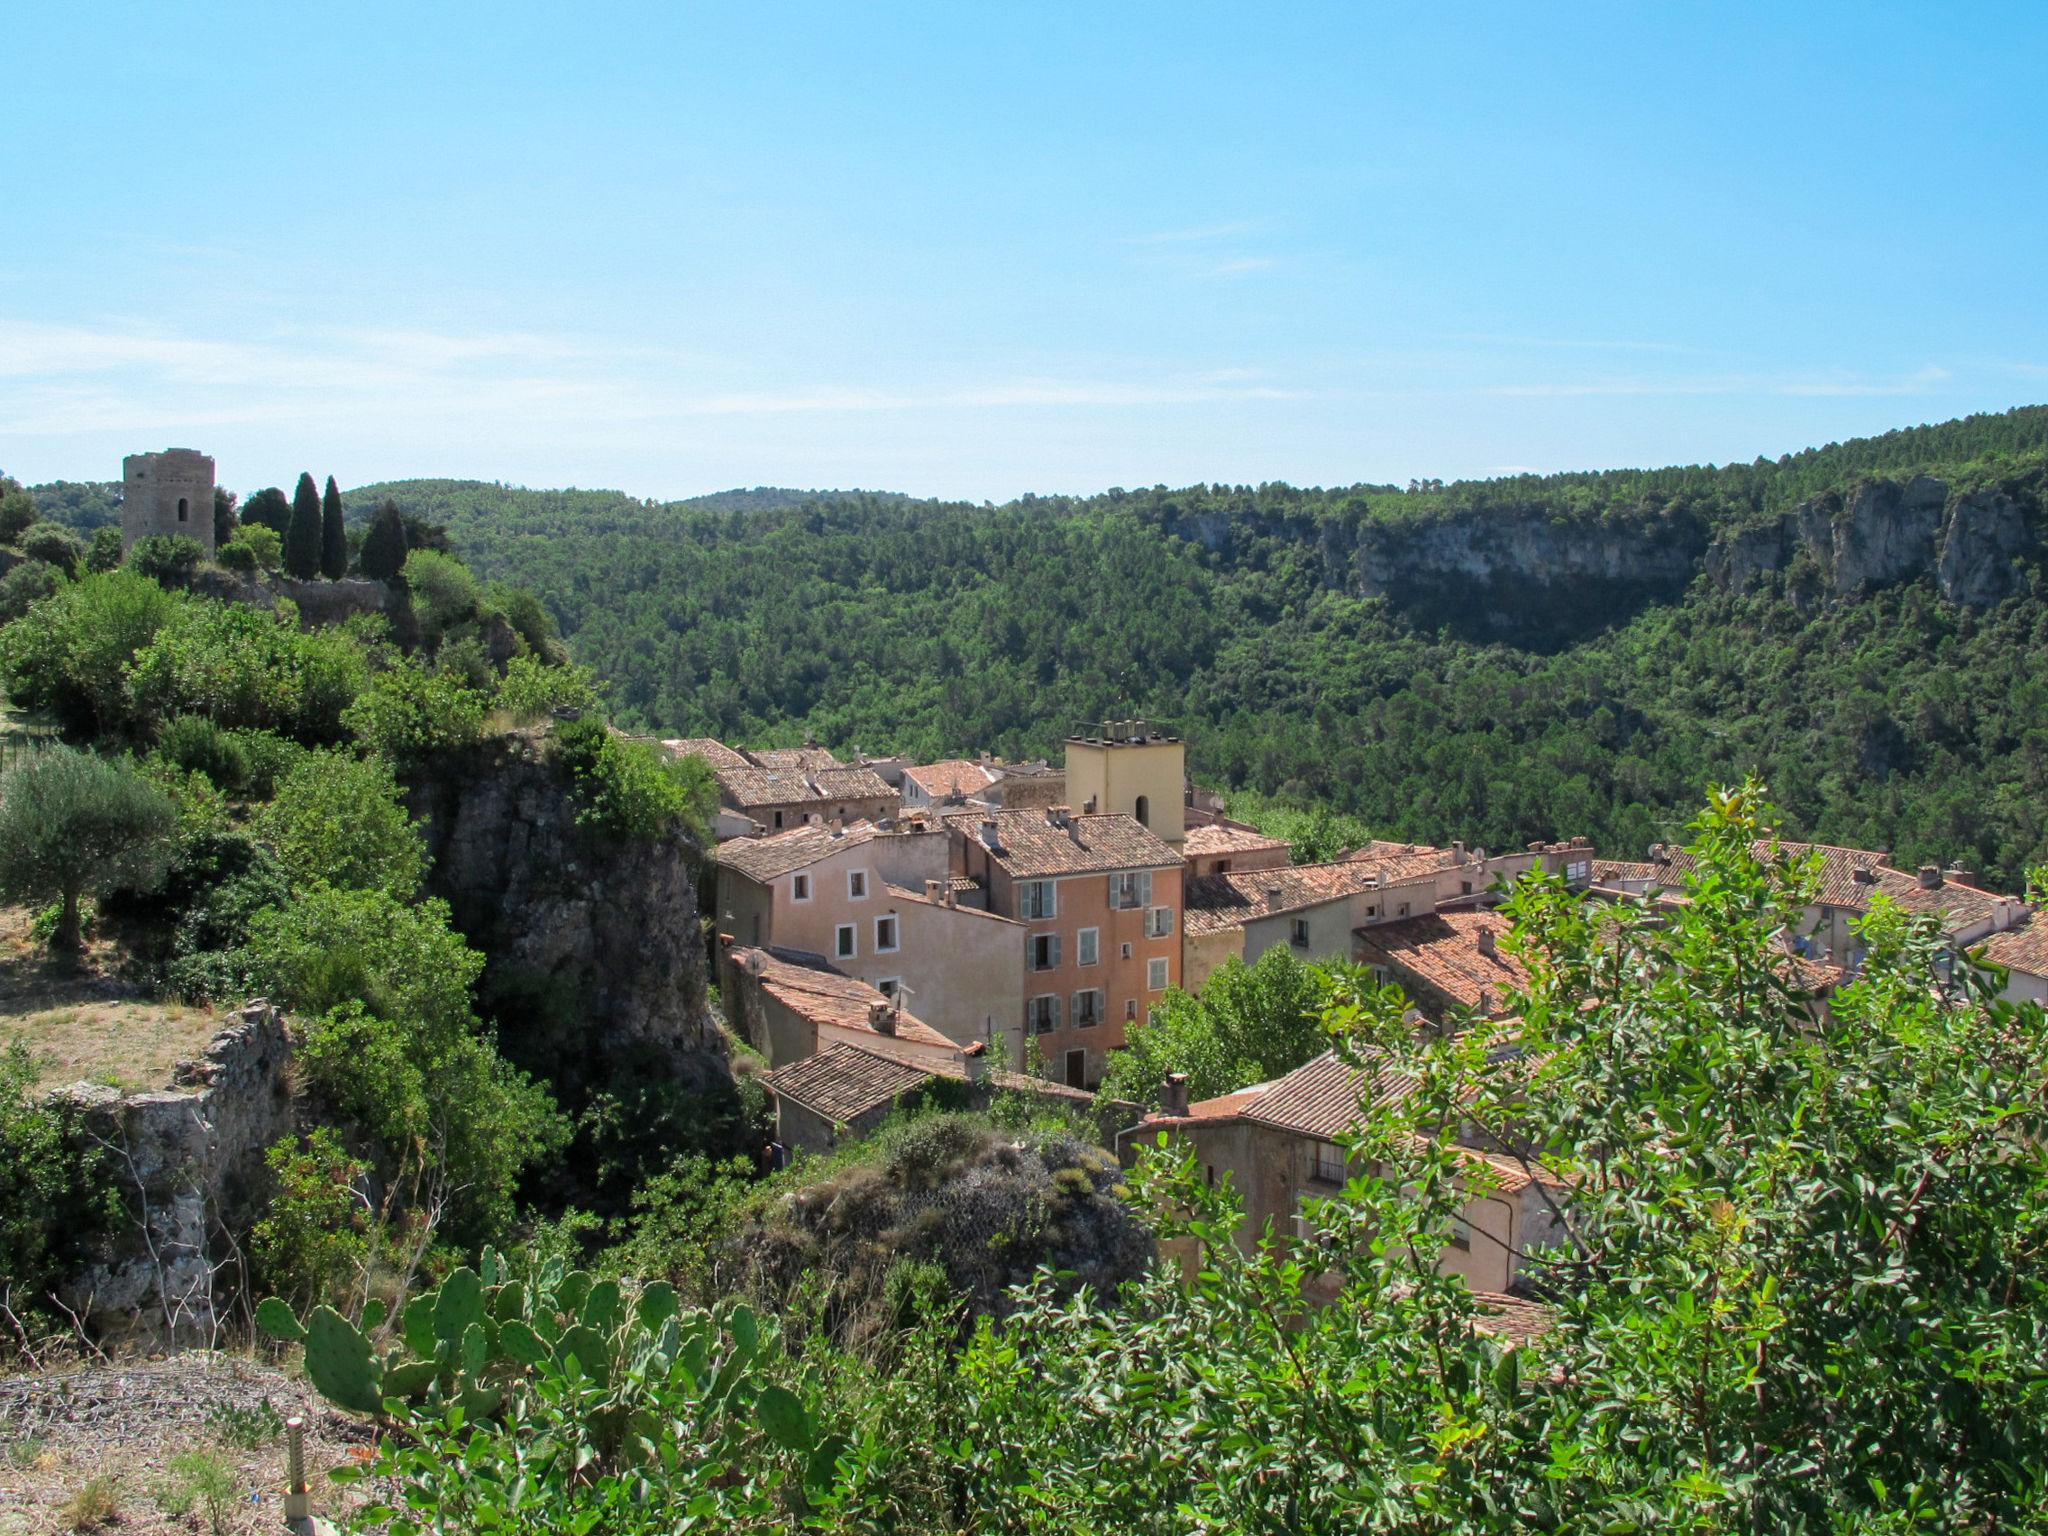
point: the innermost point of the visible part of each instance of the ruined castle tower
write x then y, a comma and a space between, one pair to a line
168, 492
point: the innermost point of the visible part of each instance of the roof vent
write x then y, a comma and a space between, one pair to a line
1961, 876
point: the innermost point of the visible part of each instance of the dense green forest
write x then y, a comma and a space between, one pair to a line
1895, 720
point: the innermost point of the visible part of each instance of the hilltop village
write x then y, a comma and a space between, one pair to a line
882, 926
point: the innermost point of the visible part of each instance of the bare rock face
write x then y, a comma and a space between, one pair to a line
594, 949
189, 1160
1987, 531
1885, 532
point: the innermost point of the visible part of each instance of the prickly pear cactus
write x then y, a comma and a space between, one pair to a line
339, 1362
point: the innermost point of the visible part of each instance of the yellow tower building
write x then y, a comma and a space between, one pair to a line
1132, 769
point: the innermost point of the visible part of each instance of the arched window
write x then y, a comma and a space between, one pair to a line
184, 507
1143, 810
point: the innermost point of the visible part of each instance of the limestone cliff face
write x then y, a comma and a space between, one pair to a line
595, 951
1885, 532
1509, 548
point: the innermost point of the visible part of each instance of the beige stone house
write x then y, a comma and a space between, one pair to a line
1127, 768
1278, 1145
1312, 910
845, 1091
1450, 962
882, 904
1099, 900
789, 1005
2023, 951
1222, 847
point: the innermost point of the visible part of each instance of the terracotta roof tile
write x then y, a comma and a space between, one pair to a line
804, 759
814, 991
1217, 902
1227, 837
716, 753
855, 783
1030, 844
1514, 1320
1849, 875
747, 787
2023, 948
1443, 950
844, 1082
1404, 858
782, 853
954, 776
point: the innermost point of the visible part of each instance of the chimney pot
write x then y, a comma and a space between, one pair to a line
935, 891
1930, 877
1173, 1095
882, 1018
1956, 874
974, 1059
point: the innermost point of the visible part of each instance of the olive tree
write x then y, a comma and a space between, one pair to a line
74, 824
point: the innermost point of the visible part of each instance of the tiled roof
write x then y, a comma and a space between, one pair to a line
844, 1082
1514, 1320
781, 853
1227, 837
856, 783
1442, 950
1031, 844
1380, 851
744, 787
806, 759
814, 991
1616, 871
954, 776
716, 753
2022, 948
1217, 902
1849, 875
905, 893
1318, 1098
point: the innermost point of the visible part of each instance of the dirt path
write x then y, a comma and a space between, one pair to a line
123, 1424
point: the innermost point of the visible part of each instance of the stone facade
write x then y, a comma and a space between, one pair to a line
167, 493
189, 1160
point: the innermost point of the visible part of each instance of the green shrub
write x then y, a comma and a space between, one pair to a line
27, 584
528, 616
270, 755
201, 1481
442, 591
411, 716
57, 1193
533, 690
54, 545
312, 1242
103, 553
197, 745
237, 555
338, 819
167, 559
245, 666
265, 543
71, 653
631, 790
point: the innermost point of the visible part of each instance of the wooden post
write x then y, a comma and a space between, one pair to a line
298, 1508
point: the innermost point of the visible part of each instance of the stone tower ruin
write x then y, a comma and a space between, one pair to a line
169, 492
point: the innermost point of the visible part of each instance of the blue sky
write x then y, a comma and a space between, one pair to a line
972, 251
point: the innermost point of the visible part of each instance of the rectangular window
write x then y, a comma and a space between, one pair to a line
1155, 974
1043, 1014
1130, 890
1461, 1235
1088, 946
1328, 1165
885, 935
845, 946
888, 986
1036, 899
1045, 952
1159, 922
799, 887
857, 884
1130, 1010
1087, 1008
1300, 933
1127, 951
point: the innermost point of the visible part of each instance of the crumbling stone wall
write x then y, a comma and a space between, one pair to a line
189, 1160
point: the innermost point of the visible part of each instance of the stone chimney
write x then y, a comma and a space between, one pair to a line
1486, 944
974, 1060
1173, 1095
1862, 876
991, 835
1930, 877
1274, 893
1458, 852
882, 1018
935, 891
1962, 876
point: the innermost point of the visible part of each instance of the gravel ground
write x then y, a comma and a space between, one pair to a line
62, 1429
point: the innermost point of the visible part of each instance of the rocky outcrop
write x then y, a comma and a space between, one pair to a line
594, 949
319, 602
1884, 532
189, 1161
1516, 548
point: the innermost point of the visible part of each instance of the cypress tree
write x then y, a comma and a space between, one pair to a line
384, 546
333, 535
302, 538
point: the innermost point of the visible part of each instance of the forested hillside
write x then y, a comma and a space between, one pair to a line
1612, 694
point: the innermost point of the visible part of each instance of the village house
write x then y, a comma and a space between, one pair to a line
1311, 909
1222, 847
778, 787
1278, 1145
788, 1005
1450, 962
844, 1092
944, 785
1099, 898
883, 904
2023, 952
